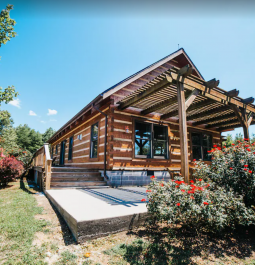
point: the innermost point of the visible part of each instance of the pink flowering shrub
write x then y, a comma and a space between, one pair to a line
199, 204
10, 169
232, 168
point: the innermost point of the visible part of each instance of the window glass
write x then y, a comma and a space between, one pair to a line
70, 151
94, 140
196, 139
201, 144
56, 152
147, 146
143, 130
197, 152
160, 141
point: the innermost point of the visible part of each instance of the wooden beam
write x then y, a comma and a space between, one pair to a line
248, 100
207, 113
183, 132
232, 127
221, 123
215, 93
193, 107
185, 71
215, 119
191, 98
160, 105
250, 118
212, 83
232, 93
148, 92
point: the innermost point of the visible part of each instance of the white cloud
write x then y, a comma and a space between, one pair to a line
43, 121
53, 120
52, 112
15, 103
32, 113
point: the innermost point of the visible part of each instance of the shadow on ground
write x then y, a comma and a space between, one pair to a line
182, 246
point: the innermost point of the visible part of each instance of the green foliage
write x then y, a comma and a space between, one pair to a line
229, 140
7, 94
203, 205
232, 168
28, 139
47, 135
6, 25
238, 137
5, 120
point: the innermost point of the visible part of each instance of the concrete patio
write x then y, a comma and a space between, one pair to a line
92, 213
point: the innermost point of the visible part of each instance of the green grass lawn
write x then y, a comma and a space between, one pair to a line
18, 226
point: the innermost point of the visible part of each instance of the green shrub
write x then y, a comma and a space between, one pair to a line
232, 168
201, 204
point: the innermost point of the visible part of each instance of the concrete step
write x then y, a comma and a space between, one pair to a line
72, 169
71, 173
77, 183
72, 178
72, 187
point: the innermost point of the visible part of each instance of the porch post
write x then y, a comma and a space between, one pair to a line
183, 130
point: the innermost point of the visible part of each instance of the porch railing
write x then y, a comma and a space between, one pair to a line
42, 161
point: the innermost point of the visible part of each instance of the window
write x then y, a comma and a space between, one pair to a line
56, 152
70, 151
201, 144
160, 141
94, 141
52, 152
150, 140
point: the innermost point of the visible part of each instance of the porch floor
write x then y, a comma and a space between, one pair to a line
92, 213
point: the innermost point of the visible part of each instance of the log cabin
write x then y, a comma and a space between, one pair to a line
155, 122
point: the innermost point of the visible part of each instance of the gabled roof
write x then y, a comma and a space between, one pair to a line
149, 68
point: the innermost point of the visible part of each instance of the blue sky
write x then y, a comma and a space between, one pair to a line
68, 52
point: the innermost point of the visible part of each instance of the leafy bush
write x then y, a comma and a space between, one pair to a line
232, 168
10, 169
201, 204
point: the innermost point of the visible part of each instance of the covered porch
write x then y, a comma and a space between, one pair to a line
181, 96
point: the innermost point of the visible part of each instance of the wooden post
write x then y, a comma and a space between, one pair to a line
183, 131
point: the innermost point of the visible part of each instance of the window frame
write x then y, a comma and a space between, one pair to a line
201, 143
152, 141
92, 141
70, 148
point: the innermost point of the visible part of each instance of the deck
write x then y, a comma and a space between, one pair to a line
93, 213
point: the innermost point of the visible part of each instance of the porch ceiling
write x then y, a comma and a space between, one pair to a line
212, 107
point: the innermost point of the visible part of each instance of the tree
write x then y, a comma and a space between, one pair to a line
9, 141
47, 135
5, 120
23, 138
36, 141
229, 140
6, 25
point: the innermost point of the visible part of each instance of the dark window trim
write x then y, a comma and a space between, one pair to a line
201, 145
152, 124
56, 150
91, 142
70, 148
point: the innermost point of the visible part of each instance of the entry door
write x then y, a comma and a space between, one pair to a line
62, 153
